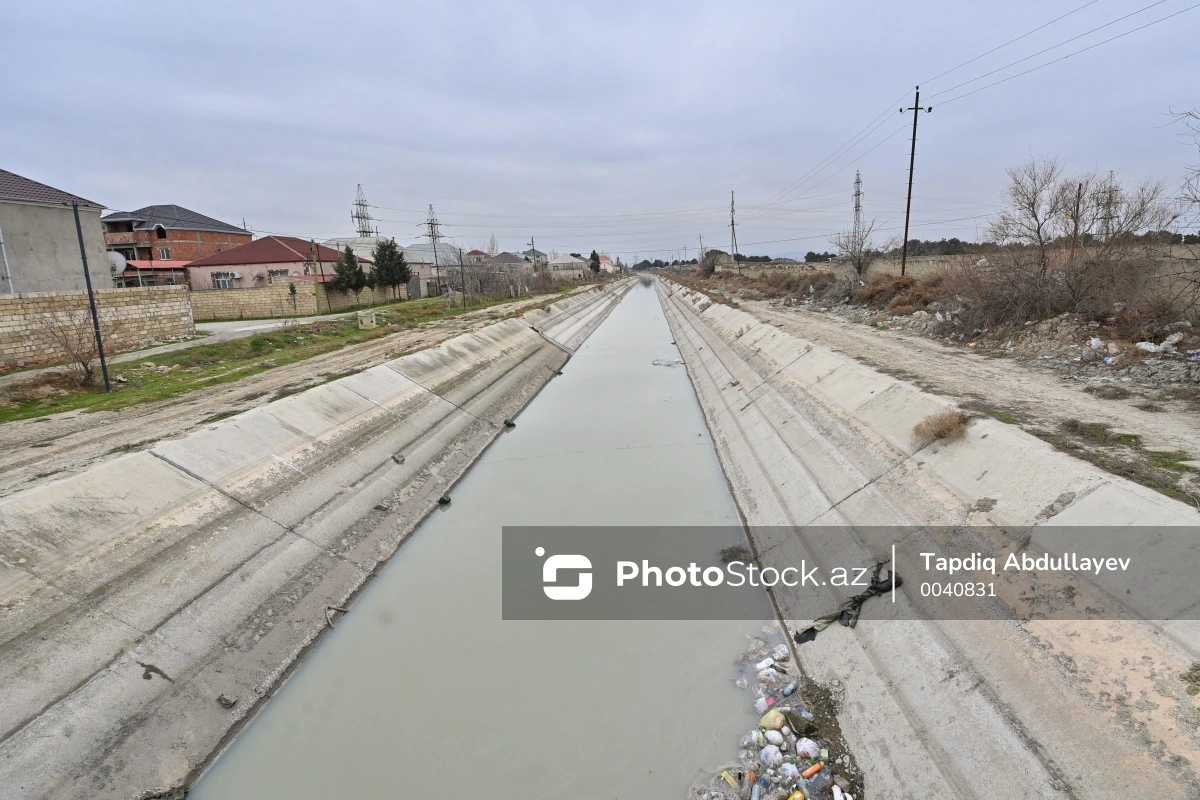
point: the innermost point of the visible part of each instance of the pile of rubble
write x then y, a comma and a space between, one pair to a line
785, 756
1066, 343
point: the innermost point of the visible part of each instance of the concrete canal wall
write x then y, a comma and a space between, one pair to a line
149, 605
966, 709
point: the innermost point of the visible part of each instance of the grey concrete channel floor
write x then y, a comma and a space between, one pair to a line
422, 690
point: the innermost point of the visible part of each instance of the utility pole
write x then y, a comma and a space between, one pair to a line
87, 280
912, 158
462, 275
733, 233
315, 254
1075, 222
435, 235
857, 232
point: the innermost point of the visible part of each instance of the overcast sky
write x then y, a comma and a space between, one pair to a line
619, 126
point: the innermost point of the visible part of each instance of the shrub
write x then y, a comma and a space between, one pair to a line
942, 425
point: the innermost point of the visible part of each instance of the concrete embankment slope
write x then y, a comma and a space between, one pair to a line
150, 604
964, 709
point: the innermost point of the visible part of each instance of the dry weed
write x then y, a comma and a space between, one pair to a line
942, 425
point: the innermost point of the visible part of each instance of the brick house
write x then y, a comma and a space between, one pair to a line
169, 233
262, 262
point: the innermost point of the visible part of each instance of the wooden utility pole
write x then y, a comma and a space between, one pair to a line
733, 234
912, 158
315, 255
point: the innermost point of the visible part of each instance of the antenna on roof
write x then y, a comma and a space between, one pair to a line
362, 214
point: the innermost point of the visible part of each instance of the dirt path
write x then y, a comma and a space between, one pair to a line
61, 444
1042, 398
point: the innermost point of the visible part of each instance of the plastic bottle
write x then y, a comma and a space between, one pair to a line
813, 770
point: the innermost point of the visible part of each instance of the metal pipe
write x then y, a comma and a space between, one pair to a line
7, 269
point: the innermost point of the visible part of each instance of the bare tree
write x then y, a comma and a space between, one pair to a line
74, 340
1033, 208
708, 264
492, 246
857, 247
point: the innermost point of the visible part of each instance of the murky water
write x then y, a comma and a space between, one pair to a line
423, 691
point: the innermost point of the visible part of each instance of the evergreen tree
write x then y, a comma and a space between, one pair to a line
594, 262
349, 275
391, 269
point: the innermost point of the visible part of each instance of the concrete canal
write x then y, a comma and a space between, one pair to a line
423, 691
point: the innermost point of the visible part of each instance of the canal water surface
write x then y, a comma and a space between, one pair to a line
423, 691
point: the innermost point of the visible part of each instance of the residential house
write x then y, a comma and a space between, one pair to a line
423, 261
169, 233
39, 243
262, 262
510, 263
567, 267
477, 257
537, 258
607, 265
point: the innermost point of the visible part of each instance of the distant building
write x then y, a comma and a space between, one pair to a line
421, 258
262, 262
607, 265
477, 257
169, 233
567, 267
40, 245
537, 258
510, 263
361, 246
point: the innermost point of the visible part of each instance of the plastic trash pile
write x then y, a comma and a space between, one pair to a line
784, 756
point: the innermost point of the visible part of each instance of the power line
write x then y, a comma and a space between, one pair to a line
1069, 55
1010, 41
1056, 46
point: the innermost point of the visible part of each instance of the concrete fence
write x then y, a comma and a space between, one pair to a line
32, 324
278, 300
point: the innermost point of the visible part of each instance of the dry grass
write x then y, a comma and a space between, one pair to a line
942, 425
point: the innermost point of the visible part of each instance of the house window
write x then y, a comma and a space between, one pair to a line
222, 280
160, 231
274, 275
164, 254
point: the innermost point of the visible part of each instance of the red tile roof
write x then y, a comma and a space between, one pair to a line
477, 253
269, 250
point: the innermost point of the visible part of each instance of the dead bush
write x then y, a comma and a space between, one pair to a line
74, 339
900, 295
942, 425
1146, 321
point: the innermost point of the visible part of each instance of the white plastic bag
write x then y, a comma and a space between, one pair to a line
770, 756
808, 748
774, 737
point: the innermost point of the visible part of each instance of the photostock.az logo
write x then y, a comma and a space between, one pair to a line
550, 576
